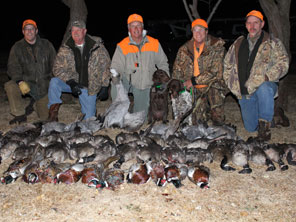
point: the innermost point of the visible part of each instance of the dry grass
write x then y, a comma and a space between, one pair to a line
260, 196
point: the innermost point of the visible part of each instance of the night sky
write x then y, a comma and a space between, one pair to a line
104, 20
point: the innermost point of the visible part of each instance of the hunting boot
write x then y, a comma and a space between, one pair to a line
217, 116
53, 112
18, 119
280, 118
264, 133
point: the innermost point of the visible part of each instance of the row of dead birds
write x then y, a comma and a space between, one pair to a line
55, 152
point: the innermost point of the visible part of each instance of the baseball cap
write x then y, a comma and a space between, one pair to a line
199, 22
134, 18
256, 14
79, 24
29, 22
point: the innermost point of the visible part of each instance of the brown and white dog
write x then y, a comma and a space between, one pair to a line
181, 100
158, 108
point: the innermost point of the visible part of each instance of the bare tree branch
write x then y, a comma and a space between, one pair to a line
78, 11
213, 11
187, 10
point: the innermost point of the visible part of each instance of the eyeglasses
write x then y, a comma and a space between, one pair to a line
29, 29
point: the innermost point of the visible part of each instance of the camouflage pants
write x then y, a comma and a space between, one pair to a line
17, 104
211, 106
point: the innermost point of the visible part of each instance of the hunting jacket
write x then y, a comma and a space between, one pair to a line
210, 62
32, 66
271, 60
138, 65
98, 65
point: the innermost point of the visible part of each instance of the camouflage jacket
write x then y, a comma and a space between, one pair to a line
271, 60
32, 66
98, 65
210, 62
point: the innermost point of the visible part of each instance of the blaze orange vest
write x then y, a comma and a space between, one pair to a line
151, 45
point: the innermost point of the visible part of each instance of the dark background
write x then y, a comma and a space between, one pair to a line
107, 19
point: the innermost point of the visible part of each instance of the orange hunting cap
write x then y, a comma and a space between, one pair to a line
134, 18
199, 22
29, 22
256, 14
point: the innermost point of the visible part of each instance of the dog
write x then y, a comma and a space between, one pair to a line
158, 107
181, 100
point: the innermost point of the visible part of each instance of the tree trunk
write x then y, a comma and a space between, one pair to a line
78, 11
278, 16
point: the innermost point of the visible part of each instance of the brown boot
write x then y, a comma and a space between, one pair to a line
264, 130
53, 112
280, 118
217, 116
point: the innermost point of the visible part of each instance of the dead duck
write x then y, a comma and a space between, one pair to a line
199, 175
8, 149
114, 115
174, 173
124, 137
229, 150
133, 121
23, 151
138, 173
149, 152
198, 155
98, 140
81, 150
71, 175
91, 174
112, 178
100, 176
170, 155
79, 138
45, 141
289, 152
15, 170
157, 173
275, 153
257, 154
57, 152
126, 152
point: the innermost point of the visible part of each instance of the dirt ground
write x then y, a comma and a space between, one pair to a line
259, 196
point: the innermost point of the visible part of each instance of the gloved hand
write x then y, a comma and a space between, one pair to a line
24, 87
75, 87
103, 94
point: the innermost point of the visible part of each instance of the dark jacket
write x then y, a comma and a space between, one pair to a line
98, 69
32, 64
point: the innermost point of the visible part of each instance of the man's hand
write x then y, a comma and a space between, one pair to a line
103, 94
75, 87
24, 87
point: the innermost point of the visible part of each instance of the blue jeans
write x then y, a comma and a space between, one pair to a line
260, 105
87, 102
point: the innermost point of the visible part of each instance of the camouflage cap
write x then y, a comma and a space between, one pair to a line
79, 24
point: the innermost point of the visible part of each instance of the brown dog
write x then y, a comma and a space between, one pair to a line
158, 108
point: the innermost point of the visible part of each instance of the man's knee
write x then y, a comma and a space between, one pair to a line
54, 82
267, 89
11, 87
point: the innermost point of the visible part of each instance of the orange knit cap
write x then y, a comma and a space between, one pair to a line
256, 14
134, 18
199, 22
29, 22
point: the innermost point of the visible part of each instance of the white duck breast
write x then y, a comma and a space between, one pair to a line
114, 115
